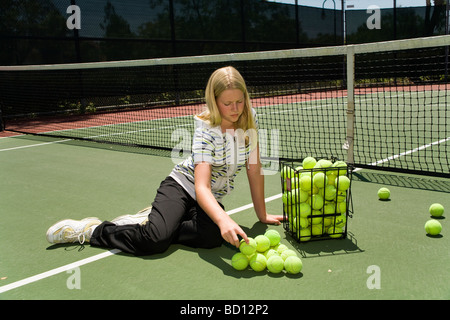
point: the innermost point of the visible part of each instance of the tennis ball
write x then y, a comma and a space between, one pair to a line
262, 243
329, 208
316, 229
384, 193
304, 209
324, 163
305, 183
275, 264
316, 217
304, 235
316, 202
328, 221
301, 195
335, 232
341, 207
288, 253
342, 167
274, 237
293, 265
340, 221
309, 163
341, 196
239, 261
330, 192
433, 227
258, 262
280, 248
270, 253
319, 179
304, 223
436, 209
295, 196
290, 210
248, 249
287, 172
342, 183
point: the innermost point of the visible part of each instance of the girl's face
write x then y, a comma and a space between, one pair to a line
231, 105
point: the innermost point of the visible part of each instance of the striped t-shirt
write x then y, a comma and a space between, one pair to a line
226, 152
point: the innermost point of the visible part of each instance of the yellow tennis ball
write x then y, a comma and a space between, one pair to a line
287, 172
270, 253
334, 232
262, 243
324, 163
330, 192
248, 249
280, 248
239, 261
275, 264
304, 235
342, 183
329, 208
319, 179
316, 202
340, 221
384, 193
258, 262
309, 163
341, 196
273, 236
288, 253
316, 217
328, 221
305, 183
342, 167
293, 265
433, 227
316, 229
341, 207
304, 223
304, 209
436, 210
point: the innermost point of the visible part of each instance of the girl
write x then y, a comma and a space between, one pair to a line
187, 208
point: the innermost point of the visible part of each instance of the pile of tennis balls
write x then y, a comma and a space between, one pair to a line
432, 227
266, 251
315, 197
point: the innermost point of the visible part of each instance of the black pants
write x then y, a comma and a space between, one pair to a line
175, 218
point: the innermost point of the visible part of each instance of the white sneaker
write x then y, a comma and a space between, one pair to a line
69, 231
139, 218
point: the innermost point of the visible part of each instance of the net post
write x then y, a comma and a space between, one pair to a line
350, 103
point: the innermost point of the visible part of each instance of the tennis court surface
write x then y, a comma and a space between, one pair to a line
48, 180
101, 141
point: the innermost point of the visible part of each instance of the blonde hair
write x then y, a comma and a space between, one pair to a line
219, 81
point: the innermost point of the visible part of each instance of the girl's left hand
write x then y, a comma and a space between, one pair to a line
272, 219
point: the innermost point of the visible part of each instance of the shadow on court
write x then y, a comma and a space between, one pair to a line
413, 182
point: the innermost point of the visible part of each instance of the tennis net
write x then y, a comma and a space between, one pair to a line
378, 105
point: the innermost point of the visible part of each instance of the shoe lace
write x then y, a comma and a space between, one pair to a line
71, 236
81, 238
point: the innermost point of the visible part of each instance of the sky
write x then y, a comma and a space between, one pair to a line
358, 4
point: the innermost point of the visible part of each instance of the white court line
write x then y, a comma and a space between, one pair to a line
35, 145
103, 255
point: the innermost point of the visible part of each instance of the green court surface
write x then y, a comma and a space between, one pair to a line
387, 254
